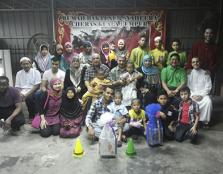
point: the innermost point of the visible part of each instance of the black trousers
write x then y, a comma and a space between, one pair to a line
183, 132
134, 131
50, 130
31, 105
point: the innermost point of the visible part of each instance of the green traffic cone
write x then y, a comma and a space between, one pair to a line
130, 151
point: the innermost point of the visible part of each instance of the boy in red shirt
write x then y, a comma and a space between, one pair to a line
188, 117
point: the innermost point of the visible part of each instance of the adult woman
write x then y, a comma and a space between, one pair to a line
150, 82
49, 107
74, 77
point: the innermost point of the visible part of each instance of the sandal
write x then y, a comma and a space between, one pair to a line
124, 138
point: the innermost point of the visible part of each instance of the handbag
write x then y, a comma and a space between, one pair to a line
37, 119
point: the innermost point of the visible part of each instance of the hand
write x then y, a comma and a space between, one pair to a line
175, 91
193, 130
43, 123
91, 132
43, 89
197, 97
78, 89
23, 97
7, 124
90, 89
162, 115
170, 93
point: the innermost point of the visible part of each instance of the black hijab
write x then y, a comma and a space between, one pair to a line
70, 108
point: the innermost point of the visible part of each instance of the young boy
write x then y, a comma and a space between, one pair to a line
120, 112
188, 117
168, 115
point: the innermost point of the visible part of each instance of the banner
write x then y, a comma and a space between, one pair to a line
111, 26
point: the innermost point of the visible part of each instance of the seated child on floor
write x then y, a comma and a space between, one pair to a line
188, 117
120, 112
137, 123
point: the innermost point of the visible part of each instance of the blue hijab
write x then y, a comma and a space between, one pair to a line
151, 69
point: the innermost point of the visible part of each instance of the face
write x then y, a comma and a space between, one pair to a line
57, 86
75, 63
174, 61
88, 49
26, 65
44, 51
142, 42
112, 46
101, 76
158, 43
175, 46
121, 44
184, 95
105, 49
70, 94
108, 94
59, 51
96, 60
55, 66
162, 99
195, 63
118, 99
129, 68
68, 48
208, 35
121, 62
3, 86
136, 106
147, 62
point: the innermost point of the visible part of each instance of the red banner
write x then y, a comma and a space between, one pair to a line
100, 26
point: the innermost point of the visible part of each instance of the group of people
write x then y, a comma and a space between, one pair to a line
70, 89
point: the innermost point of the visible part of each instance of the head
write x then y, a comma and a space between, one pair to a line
208, 35
158, 42
142, 41
56, 84
59, 49
55, 63
162, 98
4, 84
75, 62
174, 60
130, 67
112, 45
108, 94
185, 94
25, 63
147, 60
121, 60
70, 93
118, 98
100, 74
44, 49
87, 47
121, 44
105, 48
68, 47
96, 60
176, 44
195, 62
136, 104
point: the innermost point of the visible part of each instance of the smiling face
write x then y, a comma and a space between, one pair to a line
121, 44
136, 106
208, 35
108, 94
175, 46
70, 94
174, 61
26, 65
57, 85
44, 51
195, 62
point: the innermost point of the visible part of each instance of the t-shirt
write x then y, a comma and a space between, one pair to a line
10, 97
185, 113
117, 110
136, 117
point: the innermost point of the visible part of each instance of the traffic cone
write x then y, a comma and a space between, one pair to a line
130, 151
78, 150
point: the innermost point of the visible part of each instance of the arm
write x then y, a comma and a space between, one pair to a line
17, 110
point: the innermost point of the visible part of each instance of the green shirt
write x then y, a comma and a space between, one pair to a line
173, 77
137, 55
183, 57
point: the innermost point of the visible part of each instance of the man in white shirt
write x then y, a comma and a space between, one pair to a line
27, 82
52, 73
199, 82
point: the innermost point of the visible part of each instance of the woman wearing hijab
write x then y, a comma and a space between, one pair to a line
74, 77
70, 114
68, 54
149, 84
59, 53
42, 61
49, 108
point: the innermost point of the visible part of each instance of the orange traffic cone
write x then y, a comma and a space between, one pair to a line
78, 150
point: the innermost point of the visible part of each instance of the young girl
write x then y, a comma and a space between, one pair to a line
68, 54
130, 78
50, 122
137, 123
70, 114
176, 48
120, 112
122, 51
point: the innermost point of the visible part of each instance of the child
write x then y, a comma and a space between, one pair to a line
176, 48
97, 84
120, 112
168, 115
137, 123
70, 114
130, 78
121, 50
159, 54
188, 117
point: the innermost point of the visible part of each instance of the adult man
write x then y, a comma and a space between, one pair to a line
27, 82
138, 53
86, 55
117, 71
10, 106
95, 112
54, 72
173, 78
199, 82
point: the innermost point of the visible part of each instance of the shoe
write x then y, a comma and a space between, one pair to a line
2, 123
119, 143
